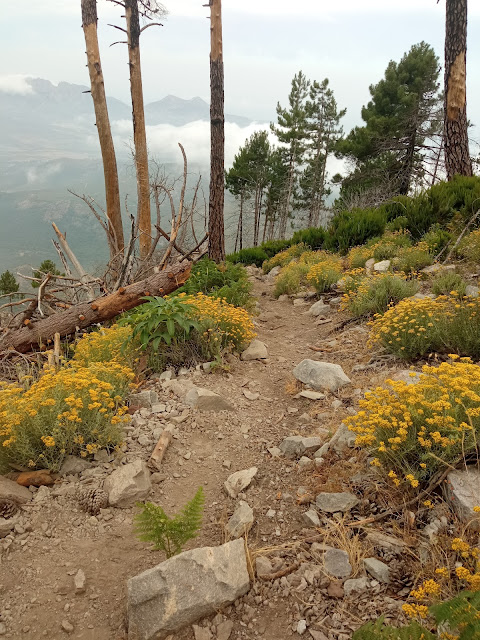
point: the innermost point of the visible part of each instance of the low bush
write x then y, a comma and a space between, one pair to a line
252, 255
412, 259
112, 344
314, 237
322, 275
469, 247
375, 294
291, 279
390, 244
358, 256
415, 327
352, 228
272, 247
447, 281
228, 281
415, 430
74, 411
437, 239
284, 257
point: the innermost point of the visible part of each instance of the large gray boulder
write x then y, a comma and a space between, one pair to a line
319, 308
463, 494
321, 375
10, 490
256, 350
184, 589
206, 400
128, 484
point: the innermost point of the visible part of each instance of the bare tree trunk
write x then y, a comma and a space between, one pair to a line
139, 133
97, 89
82, 315
457, 155
216, 229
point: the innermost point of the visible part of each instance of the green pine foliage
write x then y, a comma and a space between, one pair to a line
460, 617
170, 534
253, 255
47, 266
8, 284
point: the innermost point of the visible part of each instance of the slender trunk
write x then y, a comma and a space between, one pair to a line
457, 155
406, 171
241, 219
139, 133
286, 208
97, 89
216, 227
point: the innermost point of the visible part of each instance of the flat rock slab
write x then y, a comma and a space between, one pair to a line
337, 564
256, 350
10, 490
319, 309
336, 502
143, 399
239, 481
321, 375
184, 589
377, 569
241, 521
463, 494
128, 484
296, 446
206, 400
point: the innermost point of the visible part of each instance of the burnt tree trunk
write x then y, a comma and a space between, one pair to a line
216, 230
97, 89
139, 133
457, 155
79, 316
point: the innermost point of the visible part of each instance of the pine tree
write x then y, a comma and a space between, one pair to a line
291, 130
47, 266
8, 284
277, 174
324, 132
401, 121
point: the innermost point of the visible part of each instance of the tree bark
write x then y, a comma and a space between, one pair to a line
139, 133
457, 155
216, 229
97, 89
83, 315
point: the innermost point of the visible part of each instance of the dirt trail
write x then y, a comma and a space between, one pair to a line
56, 539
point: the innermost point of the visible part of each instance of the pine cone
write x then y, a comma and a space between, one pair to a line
92, 500
8, 508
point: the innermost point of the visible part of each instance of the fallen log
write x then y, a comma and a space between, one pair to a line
160, 449
36, 334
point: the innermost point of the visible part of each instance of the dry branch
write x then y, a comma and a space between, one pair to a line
82, 315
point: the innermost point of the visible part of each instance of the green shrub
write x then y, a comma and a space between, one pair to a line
228, 281
170, 534
291, 278
390, 244
284, 257
253, 255
322, 275
272, 247
412, 259
312, 237
436, 239
447, 281
397, 224
352, 228
469, 247
358, 256
375, 294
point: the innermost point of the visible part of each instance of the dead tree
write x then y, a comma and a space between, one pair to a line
34, 334
457, 155
216, 225
97, 90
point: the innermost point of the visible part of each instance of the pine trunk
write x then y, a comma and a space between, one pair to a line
97, 89
216, 230
457, 155
102, 309
139, 133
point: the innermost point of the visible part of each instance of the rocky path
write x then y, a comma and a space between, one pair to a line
63, 572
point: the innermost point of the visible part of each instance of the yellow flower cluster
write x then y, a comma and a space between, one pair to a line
374, 294
323, 274
413, 430
358, 256
71, 411
284, 257
231, 326
106, 345
415, 327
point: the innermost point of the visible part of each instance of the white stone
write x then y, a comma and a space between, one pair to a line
184, 589
256, 350
337, 563
10, 490
342, 439
206, 400
463, 494
239, 481
333, 502
310, 518
79, 580
241, 521
311, 395
321, 375
382, 267
355, 584
471, 290
319, 308
296, 446
143, 399
377, 569
128, 484
6, 525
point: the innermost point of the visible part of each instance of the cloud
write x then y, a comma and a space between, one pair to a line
35, 175
15, 84
163, 140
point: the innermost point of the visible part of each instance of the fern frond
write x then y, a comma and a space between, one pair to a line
462, 613
378, 630
187, 523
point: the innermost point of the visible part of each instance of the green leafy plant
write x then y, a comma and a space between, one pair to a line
374, 295
170, 534
161, 320
436, 239
8, 284
458, 617
253, 255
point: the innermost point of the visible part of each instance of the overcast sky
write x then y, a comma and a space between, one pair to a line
265, 43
